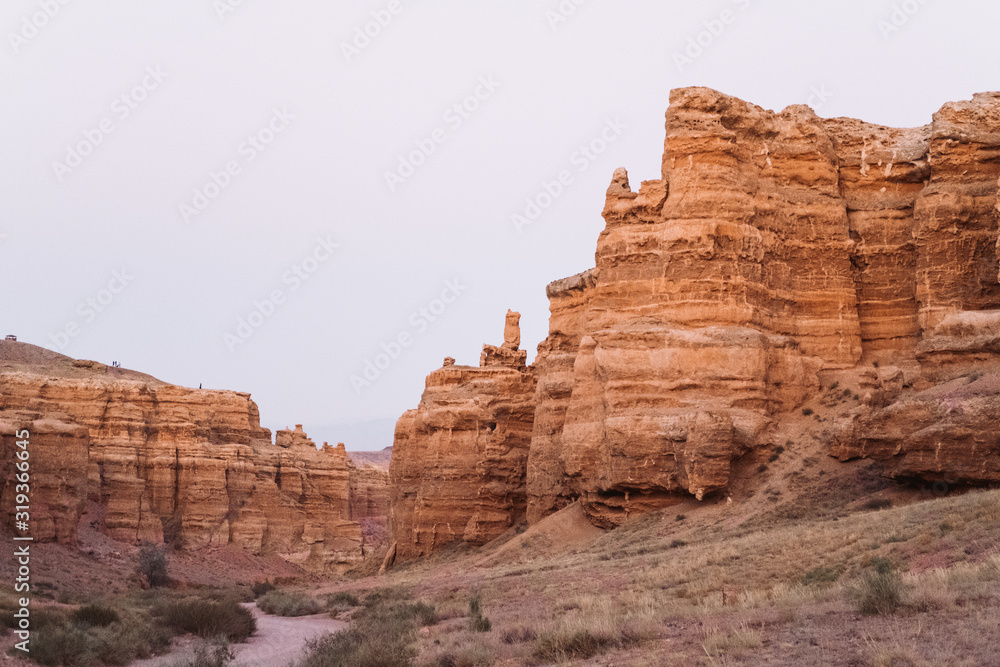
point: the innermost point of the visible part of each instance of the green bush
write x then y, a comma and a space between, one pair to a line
820, 576
342, 599
261, 587
153, 565
209, 618
214, 653
285, 603
96, 615
382, 633
880, 591
478, 622
118, 643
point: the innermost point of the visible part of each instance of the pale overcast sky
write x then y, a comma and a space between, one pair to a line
171, 168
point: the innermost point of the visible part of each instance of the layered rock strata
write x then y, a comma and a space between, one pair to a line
458, 465
775, 248
169, 464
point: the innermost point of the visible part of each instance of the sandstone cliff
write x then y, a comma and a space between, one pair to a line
777, 251
189, 467
458, 464
369, 501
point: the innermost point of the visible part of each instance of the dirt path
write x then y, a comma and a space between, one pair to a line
278, 642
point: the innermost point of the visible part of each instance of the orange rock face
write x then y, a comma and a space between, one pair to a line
190, 467
369, 501
458, 464
774, 248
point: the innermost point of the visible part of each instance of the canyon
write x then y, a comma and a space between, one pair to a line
780, 257
144, 461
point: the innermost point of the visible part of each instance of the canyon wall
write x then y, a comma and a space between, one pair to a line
369, 502
776, 249
458, 459
187, 467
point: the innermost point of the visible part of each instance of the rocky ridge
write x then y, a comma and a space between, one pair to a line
192, 468
777, 255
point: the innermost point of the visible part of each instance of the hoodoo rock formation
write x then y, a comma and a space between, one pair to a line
776, 250
458, 461
166, 463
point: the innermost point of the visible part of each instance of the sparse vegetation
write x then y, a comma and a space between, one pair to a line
382, 633
716, 642
211, 653
96, 615
577, 641
288, 603
879, 591
820, 576
877, 504
77, 643
259, 588
342, 599
209, 618
518, 636
478, 622
153, 565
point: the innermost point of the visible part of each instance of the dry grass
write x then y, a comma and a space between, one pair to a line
755, 587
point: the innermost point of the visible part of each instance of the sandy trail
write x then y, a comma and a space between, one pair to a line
279, 641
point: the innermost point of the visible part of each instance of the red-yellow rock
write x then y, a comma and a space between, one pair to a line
458, 464
191, 467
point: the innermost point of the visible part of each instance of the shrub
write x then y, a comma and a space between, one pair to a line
820, 576
478, 622
369, 646
259, 588
96, 615
286, 603
63, 645
806, 412
215, 653
578, 645
382, 633
208, 618
118, 643
153, 565
518, 636
880, 591
877, 504
342, 599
